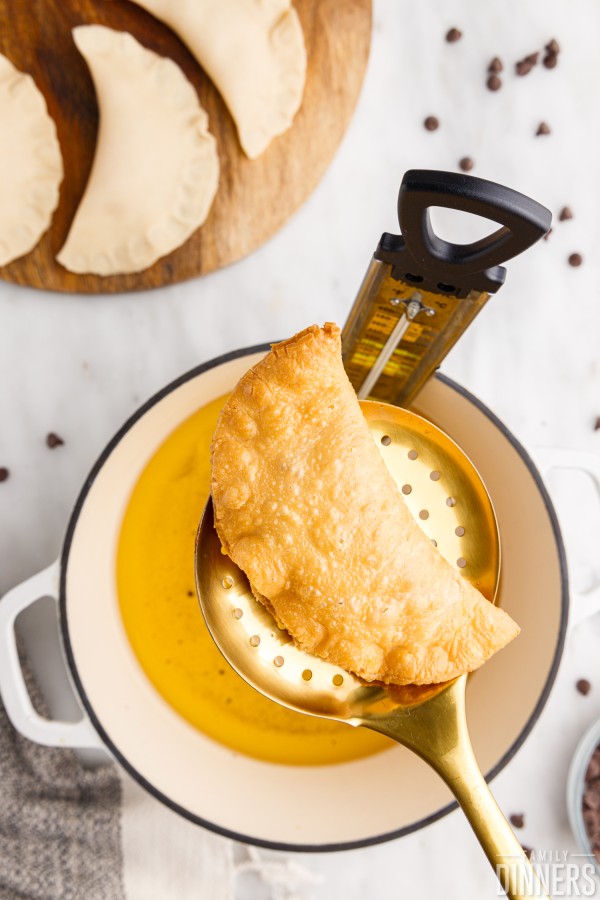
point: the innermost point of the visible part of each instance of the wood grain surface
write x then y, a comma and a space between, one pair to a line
254, 198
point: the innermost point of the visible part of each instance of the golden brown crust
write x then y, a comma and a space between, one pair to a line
305, 505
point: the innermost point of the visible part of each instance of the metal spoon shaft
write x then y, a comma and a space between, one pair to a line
437, 731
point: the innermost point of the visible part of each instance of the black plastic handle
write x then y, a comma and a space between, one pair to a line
457, 268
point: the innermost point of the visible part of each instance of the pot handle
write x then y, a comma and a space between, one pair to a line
587, 603
13, 689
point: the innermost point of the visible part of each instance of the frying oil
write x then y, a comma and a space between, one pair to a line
162, 618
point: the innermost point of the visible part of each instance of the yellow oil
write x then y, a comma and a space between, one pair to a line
155, 578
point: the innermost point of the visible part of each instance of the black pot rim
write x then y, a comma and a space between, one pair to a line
249, 839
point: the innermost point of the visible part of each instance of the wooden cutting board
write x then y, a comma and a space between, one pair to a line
254, 197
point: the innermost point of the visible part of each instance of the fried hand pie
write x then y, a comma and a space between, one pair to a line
305, 506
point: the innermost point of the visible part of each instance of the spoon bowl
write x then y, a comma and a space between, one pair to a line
447, 497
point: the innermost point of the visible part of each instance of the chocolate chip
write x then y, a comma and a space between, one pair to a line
466, 164
517, 820
431, 123
583, 686
453, 35
523, 67
543, 128
597, 424
550, 60
190, 593
575, 259
565, 213
591, 798
494, 83
4, 473
548, 233
496, 65
553, 46
593, 769
53, 440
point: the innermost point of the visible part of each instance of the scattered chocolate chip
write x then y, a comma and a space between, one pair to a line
553, 46
190, 593
532, 58
548, 233
517, 820
550, 60
583, 686
431, 123
466, 164
565, 214
4, 473
53, 440
523, 67
528, 851
597, 424
543, 128
496, 65
453, 35
575, 259
494, 83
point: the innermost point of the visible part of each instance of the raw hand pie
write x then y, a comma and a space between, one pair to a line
156, 168
306, 507
253, 51
31, 167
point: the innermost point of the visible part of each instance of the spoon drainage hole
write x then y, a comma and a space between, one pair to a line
238, 613
434, 542
227, 582
307, 674
386, 440
412, 454
254, 640
424, 514
338, 680
406, 488
461, 562
450, 501
435, 475
278, 661
459, 531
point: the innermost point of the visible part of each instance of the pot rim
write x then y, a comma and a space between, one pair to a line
225, 832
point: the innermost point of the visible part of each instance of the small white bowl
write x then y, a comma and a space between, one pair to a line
576, 787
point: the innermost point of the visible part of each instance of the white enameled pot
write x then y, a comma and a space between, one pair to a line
311, 808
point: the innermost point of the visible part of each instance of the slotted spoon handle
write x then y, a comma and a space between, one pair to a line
437, 731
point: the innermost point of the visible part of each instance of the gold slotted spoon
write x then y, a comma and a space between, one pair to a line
446, 495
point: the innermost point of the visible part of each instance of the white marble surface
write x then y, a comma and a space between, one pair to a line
80, 365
